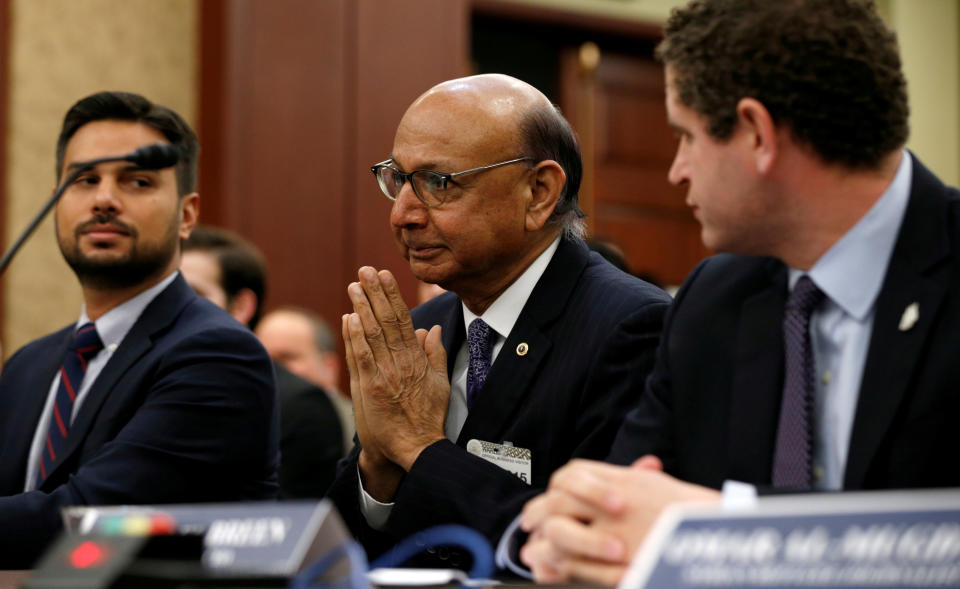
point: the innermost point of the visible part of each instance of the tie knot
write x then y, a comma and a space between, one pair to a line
479, 337
805, 296
86, 341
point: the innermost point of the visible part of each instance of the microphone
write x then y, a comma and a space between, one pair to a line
156, 156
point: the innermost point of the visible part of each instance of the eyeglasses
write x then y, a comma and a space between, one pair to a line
429, 186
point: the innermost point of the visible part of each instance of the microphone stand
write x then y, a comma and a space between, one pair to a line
7, 257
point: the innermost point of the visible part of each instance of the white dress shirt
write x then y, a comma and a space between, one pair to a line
501, 316
112, 327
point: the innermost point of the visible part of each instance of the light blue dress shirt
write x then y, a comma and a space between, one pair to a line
851, 274
112, 327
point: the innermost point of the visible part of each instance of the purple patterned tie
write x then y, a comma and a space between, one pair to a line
793, 455
85, 345
480, 338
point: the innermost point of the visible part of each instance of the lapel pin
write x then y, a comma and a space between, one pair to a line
522, 349
909, 317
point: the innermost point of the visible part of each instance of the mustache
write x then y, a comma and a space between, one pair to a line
101, 220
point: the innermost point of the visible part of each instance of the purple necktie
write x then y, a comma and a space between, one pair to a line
85, 345
793, 455
480, 338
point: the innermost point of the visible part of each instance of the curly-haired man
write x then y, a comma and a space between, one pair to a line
817, 352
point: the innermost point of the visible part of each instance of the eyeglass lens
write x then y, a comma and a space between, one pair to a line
426, 184
390, 181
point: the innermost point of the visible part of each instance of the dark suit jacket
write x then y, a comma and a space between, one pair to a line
184, 411
311, 439
592, 332
712, 405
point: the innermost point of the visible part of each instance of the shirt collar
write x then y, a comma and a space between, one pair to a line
113, 325
503, 313
851, 272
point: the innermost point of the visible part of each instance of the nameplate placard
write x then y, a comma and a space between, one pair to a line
845, 540
269, 538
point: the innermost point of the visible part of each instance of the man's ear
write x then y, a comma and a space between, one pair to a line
189, 212
243, 306
761, 133
547, 179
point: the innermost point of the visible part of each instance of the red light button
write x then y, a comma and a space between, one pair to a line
86, 555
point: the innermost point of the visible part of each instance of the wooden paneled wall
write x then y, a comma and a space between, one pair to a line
299, 98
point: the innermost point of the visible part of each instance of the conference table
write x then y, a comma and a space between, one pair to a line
12, 579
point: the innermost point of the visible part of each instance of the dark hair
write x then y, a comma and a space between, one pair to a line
610, 252
125, 106
548, 136
241, 263
827, 69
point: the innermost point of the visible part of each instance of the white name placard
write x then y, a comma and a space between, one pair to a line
844, 540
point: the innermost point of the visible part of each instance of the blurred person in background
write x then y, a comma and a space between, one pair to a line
301, 341
230, 272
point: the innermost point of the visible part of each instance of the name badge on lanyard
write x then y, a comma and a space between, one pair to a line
506, 456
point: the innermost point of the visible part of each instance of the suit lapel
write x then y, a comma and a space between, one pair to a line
157, 317
511, 375
919, 274
757, 381
29, 409
452, 334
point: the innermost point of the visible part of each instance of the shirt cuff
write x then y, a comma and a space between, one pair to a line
373, 511
507, 556
737, 495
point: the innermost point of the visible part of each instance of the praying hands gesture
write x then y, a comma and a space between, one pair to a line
398, 381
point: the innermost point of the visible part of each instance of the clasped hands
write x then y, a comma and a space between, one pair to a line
398, 381
593, 517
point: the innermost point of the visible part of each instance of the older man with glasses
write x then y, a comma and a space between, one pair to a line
531, 359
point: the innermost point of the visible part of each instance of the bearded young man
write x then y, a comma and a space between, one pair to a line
154, 395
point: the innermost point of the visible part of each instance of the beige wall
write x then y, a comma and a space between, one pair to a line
639, 10
60, 51
929, 35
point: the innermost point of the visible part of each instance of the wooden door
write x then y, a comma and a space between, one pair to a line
616, 103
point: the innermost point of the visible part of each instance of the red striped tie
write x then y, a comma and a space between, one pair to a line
85, 345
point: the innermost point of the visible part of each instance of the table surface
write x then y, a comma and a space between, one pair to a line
12, 579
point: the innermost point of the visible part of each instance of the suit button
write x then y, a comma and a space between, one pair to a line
443, 553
